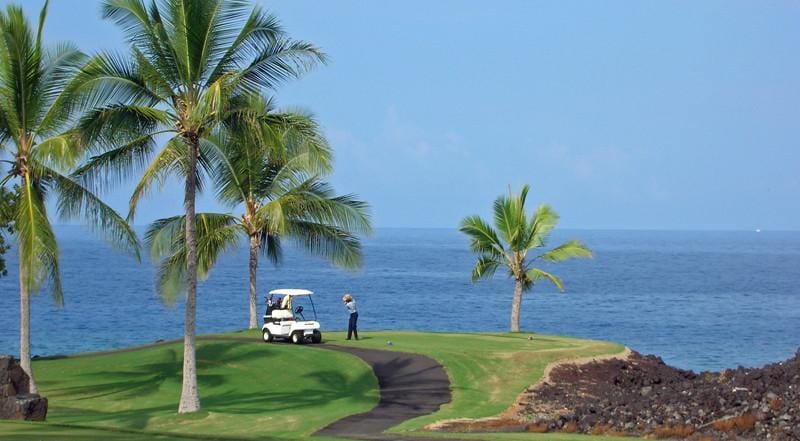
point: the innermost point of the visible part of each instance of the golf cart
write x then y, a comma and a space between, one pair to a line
285, 317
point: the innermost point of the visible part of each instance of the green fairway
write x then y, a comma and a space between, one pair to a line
252, 390
24, 430
487, 371
248, 390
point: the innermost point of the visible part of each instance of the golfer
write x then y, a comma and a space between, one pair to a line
352, 327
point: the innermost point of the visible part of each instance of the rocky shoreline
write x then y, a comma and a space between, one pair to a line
641, 395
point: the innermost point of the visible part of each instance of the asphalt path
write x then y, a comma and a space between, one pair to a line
411, 385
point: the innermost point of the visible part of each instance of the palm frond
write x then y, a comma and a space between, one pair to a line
257, 32
569, 250
131, 16
278, 62
146, 31
544, 221
109, 79
75, 201
60, 151
271, 247
486, 267
116, 165
163, 235
232, 188
20, 72
60, 102
108, 126
314, 200
301, 136
510, 219
37, 244
216, 234
167, 162
338, 246
214, 27
483, 238
533, 275
213, 103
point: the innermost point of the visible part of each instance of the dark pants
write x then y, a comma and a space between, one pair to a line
352, 327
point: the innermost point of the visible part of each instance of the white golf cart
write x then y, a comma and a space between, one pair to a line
285, 317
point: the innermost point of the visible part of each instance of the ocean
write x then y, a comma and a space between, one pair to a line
701, 300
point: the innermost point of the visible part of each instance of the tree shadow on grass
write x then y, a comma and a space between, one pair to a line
327, 386
139, 384
330, 386
38, 431
146, 379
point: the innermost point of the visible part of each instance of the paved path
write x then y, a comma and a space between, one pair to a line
411, 385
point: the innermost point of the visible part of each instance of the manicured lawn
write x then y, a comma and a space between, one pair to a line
248, 390
281, 391
487, 371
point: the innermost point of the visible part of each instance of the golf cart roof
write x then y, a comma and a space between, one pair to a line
291, 292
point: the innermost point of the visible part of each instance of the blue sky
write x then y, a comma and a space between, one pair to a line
644, 115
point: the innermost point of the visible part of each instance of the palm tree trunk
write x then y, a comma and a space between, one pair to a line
253, 267
516, 305
25, 327
190, 398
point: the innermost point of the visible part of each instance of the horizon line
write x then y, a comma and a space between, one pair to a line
637, 229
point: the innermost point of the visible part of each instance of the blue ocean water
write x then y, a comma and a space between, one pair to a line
701, 300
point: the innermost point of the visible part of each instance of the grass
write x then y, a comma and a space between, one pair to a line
247, 390
23, 430
487, 371
281, 391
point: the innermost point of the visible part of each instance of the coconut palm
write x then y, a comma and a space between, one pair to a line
272, 174
37, 107
510, 244
190, 63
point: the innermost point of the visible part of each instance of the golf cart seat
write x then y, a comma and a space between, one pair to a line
281, 314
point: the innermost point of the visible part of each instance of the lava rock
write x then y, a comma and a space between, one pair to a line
16, 401
643, 396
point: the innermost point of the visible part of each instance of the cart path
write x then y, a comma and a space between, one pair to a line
411, 385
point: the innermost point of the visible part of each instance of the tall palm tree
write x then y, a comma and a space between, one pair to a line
190, 63
512, 241
37, 107
273, 176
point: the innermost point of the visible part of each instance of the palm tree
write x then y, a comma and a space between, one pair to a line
191, 63
273, 176
517, 236
37, 107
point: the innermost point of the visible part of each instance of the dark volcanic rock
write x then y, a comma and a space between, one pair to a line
13, 379
643, 396
16, 401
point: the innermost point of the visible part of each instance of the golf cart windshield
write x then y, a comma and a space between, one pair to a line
303, 308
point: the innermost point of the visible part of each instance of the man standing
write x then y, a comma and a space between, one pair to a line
352, 327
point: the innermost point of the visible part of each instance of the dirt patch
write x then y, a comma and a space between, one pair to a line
641, 395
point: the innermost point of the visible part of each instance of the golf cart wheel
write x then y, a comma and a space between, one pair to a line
267, 336
317, 337
297, 338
